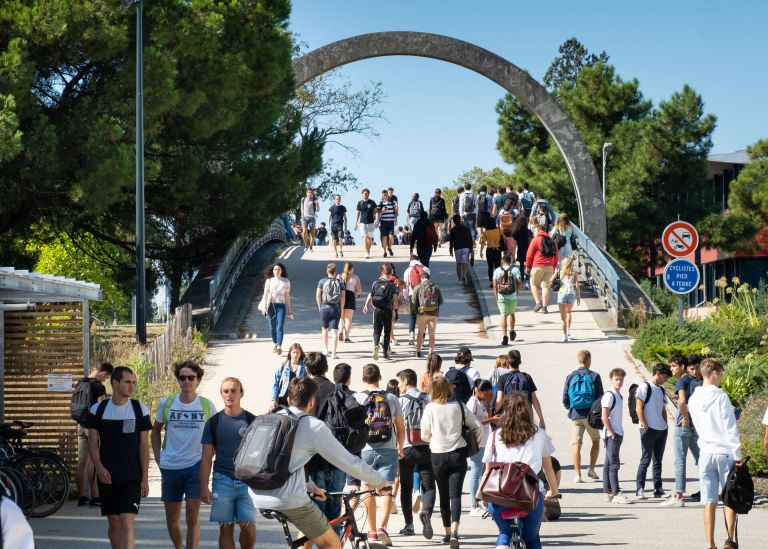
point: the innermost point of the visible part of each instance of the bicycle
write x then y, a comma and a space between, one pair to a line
346, 522
516, 540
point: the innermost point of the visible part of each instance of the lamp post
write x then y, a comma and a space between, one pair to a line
141, 284
606, 147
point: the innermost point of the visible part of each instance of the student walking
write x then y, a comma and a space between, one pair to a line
540, 263
462, 375
309, 207
492, 242
424, 238
442, 427
468, 210
515, 381
291, 367
480, 405
386, 216
438, 214
484, 208
330, 296
460, 244
228, 496
522, 236
433, 369
276, 303
568, 294
720, 445
506, 287
365, 218
337, 220
651, 409
562, 233
415, 207
352, 288
119, 450
383, 297
612, 404
582, 388
412, 278
178, 456
426, 301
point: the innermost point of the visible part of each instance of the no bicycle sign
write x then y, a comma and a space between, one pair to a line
680, 239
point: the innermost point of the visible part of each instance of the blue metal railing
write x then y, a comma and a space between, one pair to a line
602, 271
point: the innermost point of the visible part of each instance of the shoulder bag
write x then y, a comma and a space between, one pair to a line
467, 434
511, 484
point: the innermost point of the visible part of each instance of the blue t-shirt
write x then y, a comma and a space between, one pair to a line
367, 208
497, 275
338, 214
229, 433
320, 285
689, 384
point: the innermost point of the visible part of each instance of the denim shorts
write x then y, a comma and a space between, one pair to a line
231, 502
177, 483
462, 255
383, 460
713, 472
330, 316
566, 299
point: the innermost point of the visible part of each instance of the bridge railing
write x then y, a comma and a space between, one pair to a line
599, 272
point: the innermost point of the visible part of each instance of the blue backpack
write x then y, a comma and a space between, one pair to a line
516, 382
580, 392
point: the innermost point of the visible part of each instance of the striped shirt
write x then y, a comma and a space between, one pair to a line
386, 210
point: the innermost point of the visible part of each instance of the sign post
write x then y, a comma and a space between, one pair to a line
681, 276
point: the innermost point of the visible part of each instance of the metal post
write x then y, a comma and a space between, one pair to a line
604, 154
680, 320
141, 288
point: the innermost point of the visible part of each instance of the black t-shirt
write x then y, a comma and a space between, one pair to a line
460, 237
338, 213
325, 389
97, 389
367, 209
503, 381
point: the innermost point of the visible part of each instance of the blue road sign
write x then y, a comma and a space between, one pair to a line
681, 276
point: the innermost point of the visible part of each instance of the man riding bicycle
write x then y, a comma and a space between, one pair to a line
312, 437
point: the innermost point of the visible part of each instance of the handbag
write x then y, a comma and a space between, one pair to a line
468, 435
511, 484
555, 284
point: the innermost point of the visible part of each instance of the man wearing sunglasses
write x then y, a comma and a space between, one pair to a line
183, 415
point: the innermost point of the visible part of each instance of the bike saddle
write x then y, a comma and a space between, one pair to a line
271, 514
22, 424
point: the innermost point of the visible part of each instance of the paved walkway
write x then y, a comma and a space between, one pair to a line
587, 519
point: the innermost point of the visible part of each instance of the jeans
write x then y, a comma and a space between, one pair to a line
276, 314
412, 320
685, 439
382, 321
476, 469
470, 220
421, 457
424, 253
450, 469
530, 525
330, 480
653, 442
412, 221
612, 465
493, 258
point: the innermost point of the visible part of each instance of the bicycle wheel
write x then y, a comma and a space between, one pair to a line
10, 485
50, 482
25, 495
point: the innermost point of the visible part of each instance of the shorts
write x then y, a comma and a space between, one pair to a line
386, 228
507, 306
307, 222
337, 232
367, 229
231, 502
581, 425
482, 219
383, 460
177, 483
462, 255
713, 472
349, 300
541, 275
308, 518
120, 497
566, 299
330, 316
82, 443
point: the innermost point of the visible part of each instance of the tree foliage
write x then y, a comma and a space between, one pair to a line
573, 57
495, 177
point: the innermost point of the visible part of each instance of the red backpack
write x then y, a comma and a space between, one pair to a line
414, 277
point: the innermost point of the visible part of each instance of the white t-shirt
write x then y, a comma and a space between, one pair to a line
481, 413
17, 533
654, 405
533, 452
614, 416
183, 432
471, 372
277, 286
122, 412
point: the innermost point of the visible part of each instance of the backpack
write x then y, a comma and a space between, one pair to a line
595, 417
347, 419
632, 401
414, 275
580, 391
264, 455
516, 382
462, 389
739, 489
430, 235
249, 417
413, 419
559, 240
381, 295
455, 203
468, 203
428, 301
204, 402
436, 207
506, 222
414, 209
527, 199
379, 417
331, 292
482, 203
82, 400
547, 247
507, 283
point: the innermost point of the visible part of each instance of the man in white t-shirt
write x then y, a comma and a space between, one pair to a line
412, 278
651, 409
16, 532
183, 415
612, 434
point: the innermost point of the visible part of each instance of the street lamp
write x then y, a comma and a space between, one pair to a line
606, 147
141, 283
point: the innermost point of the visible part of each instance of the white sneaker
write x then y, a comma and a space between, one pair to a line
672, 502
325, 352
577, 480
565, 338
333, 356
592, 474
394, 342
376, 352
411, 339
367, 256
608, 497
641, 494
621, 499
476, 511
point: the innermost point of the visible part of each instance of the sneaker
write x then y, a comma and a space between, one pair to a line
641, 494
544, 310
324, 352
347, 340
95, 502
82, 501
279, 351
373, 537
537, 308
385, 253
730, 544
333, 356
592, 474
527, 286
341, 254
512, 335
504, 340
375, 352
446, 538
426, 524
660, 495
391, 253
411, 339
409, 530
696, 496
673, 502
577, 479
608, 497
565, 338
621, 499
454, 541
418, 354
367, 256
386, 356
476, 511
274, 349
416, 503
384, 538
394, 341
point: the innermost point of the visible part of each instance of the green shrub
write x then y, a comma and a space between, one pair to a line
661, 333
751, 430
151, 393
738, 388
664, 299
753, 367
660, 352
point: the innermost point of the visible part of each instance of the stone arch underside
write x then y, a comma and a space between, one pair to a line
506, 74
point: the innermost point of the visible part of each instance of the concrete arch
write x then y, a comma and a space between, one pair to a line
506, 74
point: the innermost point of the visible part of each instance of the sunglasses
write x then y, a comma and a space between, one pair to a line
187, 378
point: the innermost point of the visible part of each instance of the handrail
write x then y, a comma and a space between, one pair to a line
607, 277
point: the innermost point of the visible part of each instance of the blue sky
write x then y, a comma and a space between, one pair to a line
441, 119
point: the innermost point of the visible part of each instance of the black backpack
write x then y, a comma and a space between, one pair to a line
347, 420
82, 400
249, 417
632, 401
559, 240
381, 294
462, 389
739, 490
507, 283
595, 416
548, 248
264, 456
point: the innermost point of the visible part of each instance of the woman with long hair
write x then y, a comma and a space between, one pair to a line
568, 294
434, 363
460, 241
441, 426
491, 242
523, 233
291, 367
519, 440
276, 302
438, 214
415, 207
352, 289
564, 228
